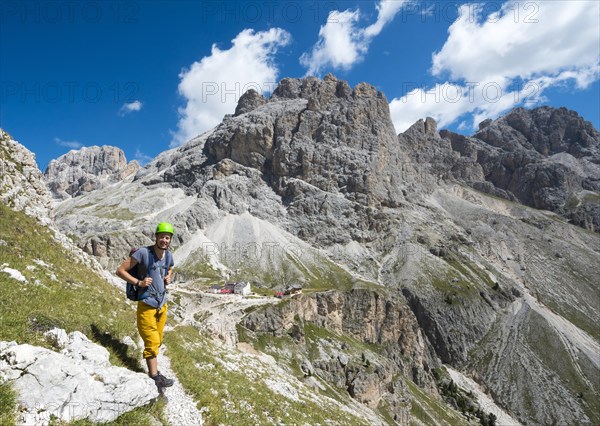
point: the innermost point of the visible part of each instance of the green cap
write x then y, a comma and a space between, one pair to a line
164, 227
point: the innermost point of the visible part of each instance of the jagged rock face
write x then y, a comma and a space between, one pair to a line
333, 137
546, 158
325, 149
21, 183
547, 130
367, 317
433, 156
87, 169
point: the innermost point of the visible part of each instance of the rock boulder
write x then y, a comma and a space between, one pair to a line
76, 383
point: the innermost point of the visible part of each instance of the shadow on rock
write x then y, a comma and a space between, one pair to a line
119, 348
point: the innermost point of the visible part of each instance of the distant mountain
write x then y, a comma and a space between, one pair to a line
423, 256
87, 169
545, 158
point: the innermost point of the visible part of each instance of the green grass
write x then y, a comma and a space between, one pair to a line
460, 281
318, 274
76, 299
591, 198
588, 198
8, 405
314, 333
6, 155
329, 276
240, 397
574, 316
65, 294
454, 291
471, 270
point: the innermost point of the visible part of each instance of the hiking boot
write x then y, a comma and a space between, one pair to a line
161, 381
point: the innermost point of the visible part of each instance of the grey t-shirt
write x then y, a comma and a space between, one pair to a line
157, 269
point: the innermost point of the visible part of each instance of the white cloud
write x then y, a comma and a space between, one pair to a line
213, 85
549, 37
130, 107
342, 43
386, 11
68, 144
520, 51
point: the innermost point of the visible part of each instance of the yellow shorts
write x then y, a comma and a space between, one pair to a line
151, 323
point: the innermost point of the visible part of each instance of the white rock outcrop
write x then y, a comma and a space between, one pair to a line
14, 274
76, 383
21, 183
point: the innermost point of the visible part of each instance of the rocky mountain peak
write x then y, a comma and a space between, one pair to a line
87, 169
317, 146
547, 158
546, 130
323, 92
321, 131
423, 129
249, 101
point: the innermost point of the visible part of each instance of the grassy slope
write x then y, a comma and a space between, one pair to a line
233, 390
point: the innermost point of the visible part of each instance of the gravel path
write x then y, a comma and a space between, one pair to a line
181, 409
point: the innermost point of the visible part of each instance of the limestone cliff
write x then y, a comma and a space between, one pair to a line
87, 169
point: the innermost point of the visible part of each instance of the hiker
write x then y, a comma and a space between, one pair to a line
151, 306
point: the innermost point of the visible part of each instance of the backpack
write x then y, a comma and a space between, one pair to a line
139, 271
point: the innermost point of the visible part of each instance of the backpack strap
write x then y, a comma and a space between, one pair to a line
150, 258
169, 260
143, 270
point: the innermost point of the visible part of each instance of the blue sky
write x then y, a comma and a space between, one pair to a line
147, 75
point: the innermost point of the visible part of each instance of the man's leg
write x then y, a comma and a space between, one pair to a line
148, 328
161, 319
152, 364
151, 322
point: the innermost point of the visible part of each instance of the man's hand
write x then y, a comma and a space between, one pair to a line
146, 282
168, 278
